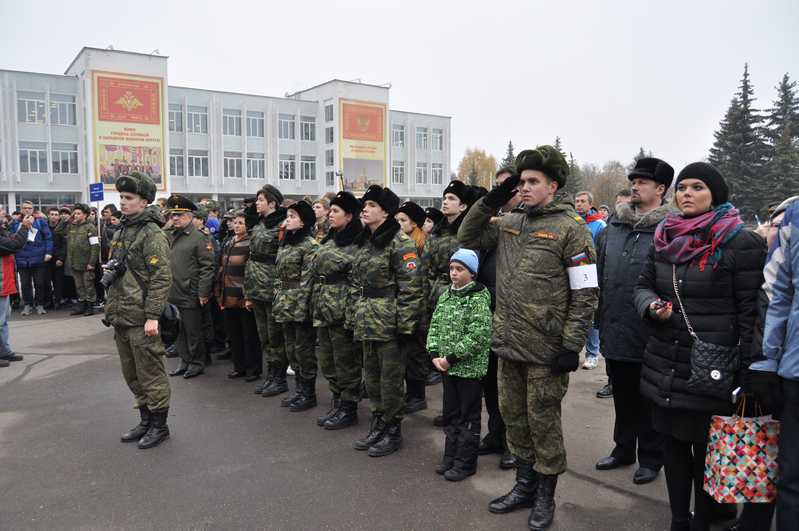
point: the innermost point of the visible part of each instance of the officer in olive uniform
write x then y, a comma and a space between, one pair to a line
142, 248
83, 252
192, 279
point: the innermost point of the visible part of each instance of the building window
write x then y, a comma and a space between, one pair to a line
176, 163
421, 138
197, 120
30, 108
438, 173
398, 135
397, 172
328, 135
62, 110
32, 157
231, 122
285, 126
328, 112
255, 124
308, 128
286, 166
329, 157
232, 164
330, 178
198, 164
65, 158
42, 201
256, 167
308, 168
175, 117
421, 173
438, 139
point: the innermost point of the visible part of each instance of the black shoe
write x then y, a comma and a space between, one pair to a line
347, 416
391, 441
415, 399
278, 385
270, 375
680, 525
298, 386
605, 392
485, 449
158, 431
609, 463
521, 495
89, 310
458, 474
438, 421
433, 377
375, 434
252, 378
171, 351
79, 309
236, 374
544, 509
734, 527
645, 475
141, 430
335, 407
12, 357
308, 398
178, 372
226, 355
4, 363
49, 306
192, 374
507, 461
443, 466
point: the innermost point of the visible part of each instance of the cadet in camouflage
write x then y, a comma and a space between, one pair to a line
83, 251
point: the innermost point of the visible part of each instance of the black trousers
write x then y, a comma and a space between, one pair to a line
685, 471
496, 426
462, 409
37, 275
220, 326
244, 341
633, 425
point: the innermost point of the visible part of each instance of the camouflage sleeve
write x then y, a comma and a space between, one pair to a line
159, 274
94, 249
205, 257
478, 231
477, 337
578, 251
306, 275
405, 263
60, 229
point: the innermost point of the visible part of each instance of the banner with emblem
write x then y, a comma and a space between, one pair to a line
128, 120
363, 146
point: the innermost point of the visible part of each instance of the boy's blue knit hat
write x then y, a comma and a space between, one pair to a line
467, 258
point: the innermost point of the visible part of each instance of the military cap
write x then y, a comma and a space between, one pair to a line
179, 204
212, 206
654, 170
230, 214
384, 197
434, 214
547, 160
82, 206
201, 213
413, 211
139, 183
462, 191
268, 190
305, 211
348, 203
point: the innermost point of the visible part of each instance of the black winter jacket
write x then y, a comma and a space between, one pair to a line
721, 303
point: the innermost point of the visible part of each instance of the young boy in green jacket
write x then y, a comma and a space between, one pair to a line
459, 341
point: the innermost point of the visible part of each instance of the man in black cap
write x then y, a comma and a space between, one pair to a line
622, 247
192, 279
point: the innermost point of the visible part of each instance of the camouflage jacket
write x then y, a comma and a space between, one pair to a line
332, 303
443, 244
538, 309
386, 260
81, 252
294, 265
259, 275
147, 249
425, 313
192, 266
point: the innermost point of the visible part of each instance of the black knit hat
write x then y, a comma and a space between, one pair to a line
462, 191
305, 211
413, 211
348, 203
384, 197
711, 177
654, 170
547, 160
434, 214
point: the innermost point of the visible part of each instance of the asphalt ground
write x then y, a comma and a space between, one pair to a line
236, 460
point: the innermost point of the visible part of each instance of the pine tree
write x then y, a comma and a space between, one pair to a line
642, 154
510, 158
782, 132
575, 181
559, 146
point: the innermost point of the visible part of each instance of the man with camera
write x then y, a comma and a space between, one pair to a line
138, 278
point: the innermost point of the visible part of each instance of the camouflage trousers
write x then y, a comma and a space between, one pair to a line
143, 367
529, 401
84, 284
384, 368
340, 359
270, 332
300, 348
416, 365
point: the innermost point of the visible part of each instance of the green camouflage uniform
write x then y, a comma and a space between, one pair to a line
81, 253
259, 283
147, 250
535, 250
386, 261
417, 363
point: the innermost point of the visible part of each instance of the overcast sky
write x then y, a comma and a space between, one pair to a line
607, 77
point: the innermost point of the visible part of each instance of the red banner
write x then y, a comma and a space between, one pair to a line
362, 122
128, 100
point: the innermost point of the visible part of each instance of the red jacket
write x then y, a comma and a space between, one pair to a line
8, 247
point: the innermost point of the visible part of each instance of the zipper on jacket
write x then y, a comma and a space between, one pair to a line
635, 246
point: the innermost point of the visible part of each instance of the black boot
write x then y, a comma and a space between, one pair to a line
391, 441
138, 432
544, 508
347, 416
335, 407
415, 400
279, 383
375, 434
171, 351
158, 431
680, 525
298, 387
308, 398
521, 495
270, 376
79, 309
89, 309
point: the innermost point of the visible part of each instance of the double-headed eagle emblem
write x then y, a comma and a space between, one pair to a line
129, 101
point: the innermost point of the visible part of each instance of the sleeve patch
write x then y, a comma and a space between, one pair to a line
153, 259
209, 246
93, 240
410, 267
409, 256
579, 259
547, 236
583, 277
512, 231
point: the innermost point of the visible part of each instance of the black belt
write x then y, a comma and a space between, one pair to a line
369, 293
444, 277
323, 280
262, 259
289, 285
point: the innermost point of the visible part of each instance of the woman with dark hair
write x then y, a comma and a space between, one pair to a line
705, 269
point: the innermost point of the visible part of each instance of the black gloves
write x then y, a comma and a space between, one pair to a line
565, 361
767, 389
503, 193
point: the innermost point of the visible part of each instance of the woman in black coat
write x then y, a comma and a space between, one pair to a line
718, 267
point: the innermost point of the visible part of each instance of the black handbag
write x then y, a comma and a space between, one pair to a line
714, 368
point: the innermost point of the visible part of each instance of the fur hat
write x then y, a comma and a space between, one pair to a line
712, 178
547, 160
433, 214
348, 203
467, 258
306, 213
137, 183
654, 170
384, 197
269, 189
413, 211
462, 191
82, 206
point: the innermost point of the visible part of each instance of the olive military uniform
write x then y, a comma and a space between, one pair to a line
83, 250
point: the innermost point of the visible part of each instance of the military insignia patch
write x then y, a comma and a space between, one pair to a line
409, 256
410, 267
153, 259
546, 235
579, 259
209, 246
512, 231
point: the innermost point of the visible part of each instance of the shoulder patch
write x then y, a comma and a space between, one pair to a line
209, 246
410, 267
409, 256
579, 259
493, 219
153, 259
512, 231
545, 235
403, 237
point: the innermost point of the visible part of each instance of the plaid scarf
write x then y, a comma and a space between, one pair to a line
679, 239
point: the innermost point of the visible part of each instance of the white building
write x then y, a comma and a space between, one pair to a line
114, 112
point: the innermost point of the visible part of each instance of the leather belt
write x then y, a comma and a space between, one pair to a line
289, 285
323, 280
262, 259
369, 293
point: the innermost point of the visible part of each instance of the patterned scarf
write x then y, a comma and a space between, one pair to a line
679, 239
